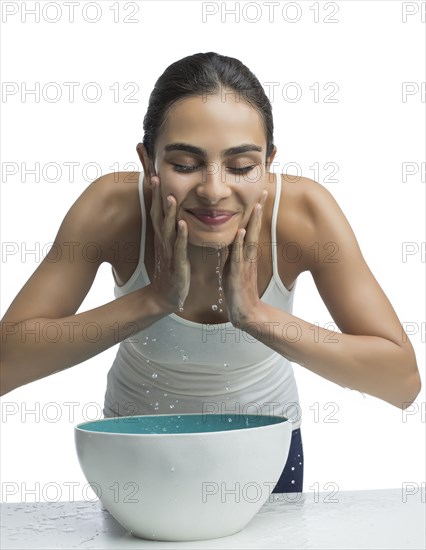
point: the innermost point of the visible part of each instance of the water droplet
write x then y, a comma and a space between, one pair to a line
229, 419
227, 388
220, 289
180, 306
154, 340
184, 358
147, 391
300, 463
177, 401
154, 375
220, 300
214, 307
144, 343
172, 406
220, 310
147, 360
176, 346
165, 394
292, 467
293, 481
172, 469
226, 364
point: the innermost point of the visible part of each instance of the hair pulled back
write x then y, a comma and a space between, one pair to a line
204, 74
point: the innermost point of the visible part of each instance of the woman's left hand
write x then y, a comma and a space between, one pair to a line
240, 269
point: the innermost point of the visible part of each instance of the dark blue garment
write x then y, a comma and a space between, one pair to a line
291, 479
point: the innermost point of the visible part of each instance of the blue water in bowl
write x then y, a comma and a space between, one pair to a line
180, 423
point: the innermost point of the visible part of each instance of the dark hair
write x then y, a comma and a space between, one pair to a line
204, 74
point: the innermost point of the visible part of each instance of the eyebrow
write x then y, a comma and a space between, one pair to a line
246, 147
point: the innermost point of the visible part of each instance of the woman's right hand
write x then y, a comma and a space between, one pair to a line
172, 267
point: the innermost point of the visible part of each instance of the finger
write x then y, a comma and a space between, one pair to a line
263, 197
169, 225
237, 252
255, 222
253, 226
157, 257
157, 213
181, 241
181, 257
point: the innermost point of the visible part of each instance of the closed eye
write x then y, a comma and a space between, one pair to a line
188, 168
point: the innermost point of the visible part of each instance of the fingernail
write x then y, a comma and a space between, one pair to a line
169, 202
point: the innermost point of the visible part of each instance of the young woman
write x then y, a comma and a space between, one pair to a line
205, 247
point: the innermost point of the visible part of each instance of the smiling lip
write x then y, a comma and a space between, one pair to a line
212, 217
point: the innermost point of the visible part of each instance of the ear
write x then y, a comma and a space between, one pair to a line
270, 159
148, 167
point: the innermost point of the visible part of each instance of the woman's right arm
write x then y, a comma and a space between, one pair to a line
40, 332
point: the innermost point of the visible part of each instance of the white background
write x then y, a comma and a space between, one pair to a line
369, 133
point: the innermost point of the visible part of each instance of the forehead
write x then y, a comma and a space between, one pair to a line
213, 122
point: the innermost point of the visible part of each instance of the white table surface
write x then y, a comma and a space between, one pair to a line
347, 519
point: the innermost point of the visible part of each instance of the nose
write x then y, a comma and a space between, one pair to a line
213, 188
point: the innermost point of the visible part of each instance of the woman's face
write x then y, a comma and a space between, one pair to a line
200, 161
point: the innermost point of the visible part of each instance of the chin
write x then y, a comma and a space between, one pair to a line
215, 238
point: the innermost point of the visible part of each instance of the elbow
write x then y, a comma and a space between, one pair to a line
6, 386
413, 387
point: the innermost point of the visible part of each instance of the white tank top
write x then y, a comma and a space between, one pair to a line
179, 366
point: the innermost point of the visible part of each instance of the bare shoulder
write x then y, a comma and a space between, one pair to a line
295, 222
60, 283
114, 198
303, 195
114, 191
332, 239
343, 278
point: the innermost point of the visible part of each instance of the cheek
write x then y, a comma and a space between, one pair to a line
170, 187
248, 209
177, 182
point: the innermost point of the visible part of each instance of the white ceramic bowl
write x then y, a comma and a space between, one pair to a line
183, 477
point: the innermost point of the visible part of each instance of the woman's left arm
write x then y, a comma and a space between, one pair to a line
372, 354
